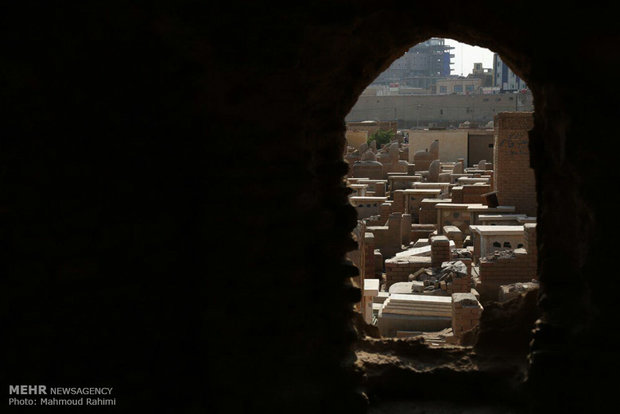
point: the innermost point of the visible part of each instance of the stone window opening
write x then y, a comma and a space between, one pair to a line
389, 343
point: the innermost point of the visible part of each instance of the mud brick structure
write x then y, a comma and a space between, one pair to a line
460, 285
500, 219
399, 204
440, 250
401, 182
371, 290
359, 189
423, 159
454, 214
456, 194
122, 115
428, 211
475, 211
444, 187
379, 188
455, 234
366, 167
398, 269
413, 199
388, 238
488, 239
422, 231
503, 269
514, 179
473, 193
368, 256
466, 311
384, 211
367, 206
405, 229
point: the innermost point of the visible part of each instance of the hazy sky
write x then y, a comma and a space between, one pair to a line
465, 56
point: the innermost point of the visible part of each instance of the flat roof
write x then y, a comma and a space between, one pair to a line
497, 230
458, 206
498, 209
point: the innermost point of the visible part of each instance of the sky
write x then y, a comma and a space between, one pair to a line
465, 56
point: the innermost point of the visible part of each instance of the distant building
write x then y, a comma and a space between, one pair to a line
484, 74
458, 85
505, 78
420, 66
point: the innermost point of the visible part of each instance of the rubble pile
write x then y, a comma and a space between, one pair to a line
463, 253
513, 290
500, 254
438, 281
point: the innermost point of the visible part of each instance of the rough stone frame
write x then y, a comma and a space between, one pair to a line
149, 83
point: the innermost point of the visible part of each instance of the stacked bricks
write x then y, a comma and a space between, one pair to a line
388, 240
491, 175
466, 312
399, 269
378, 262
384, 211
497, 271
455, 234
457, 194
428, 212
380, 189
421, 231
398, 205
414, 197
460, 285
473, 194
514, 179
405, 229
368, 256
440, 250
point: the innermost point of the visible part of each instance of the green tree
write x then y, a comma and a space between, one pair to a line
382, 137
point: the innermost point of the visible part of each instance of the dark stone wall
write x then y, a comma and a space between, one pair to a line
172, 209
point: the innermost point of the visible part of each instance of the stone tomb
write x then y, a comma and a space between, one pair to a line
402, 182
454, 214
413, 199
500, 219
359, 189
488, 239
414, 313
476, 211
371, 290
428, 212
367, 206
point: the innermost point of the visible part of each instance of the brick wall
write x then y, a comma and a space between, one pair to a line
440, 250
460, 285
530, 241
421, 231
514, 179
473, 194
398, 205
457, 194
503, 271
384, 211
398, 270
466, 312
405, 229
368, 256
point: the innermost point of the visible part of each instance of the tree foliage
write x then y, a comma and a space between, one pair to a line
382, 137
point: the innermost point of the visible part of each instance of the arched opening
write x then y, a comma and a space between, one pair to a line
126, 245
429, 170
